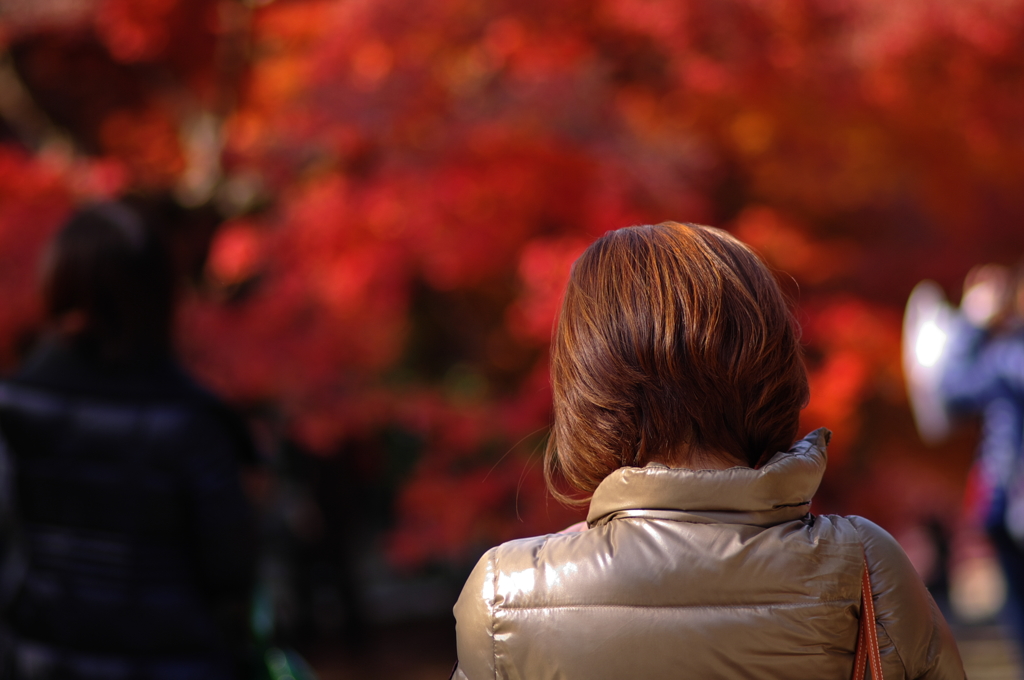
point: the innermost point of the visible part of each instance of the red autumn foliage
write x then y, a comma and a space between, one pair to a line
408, 182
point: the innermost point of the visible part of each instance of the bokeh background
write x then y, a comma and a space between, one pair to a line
374, 205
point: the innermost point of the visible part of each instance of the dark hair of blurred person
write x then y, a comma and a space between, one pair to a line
108, 287
129, 544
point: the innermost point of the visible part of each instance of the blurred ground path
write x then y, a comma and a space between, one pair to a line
422, 650
988, 654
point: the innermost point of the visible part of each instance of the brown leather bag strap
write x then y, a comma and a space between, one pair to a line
867, 637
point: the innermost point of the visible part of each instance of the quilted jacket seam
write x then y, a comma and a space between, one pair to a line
774, 605
494, 622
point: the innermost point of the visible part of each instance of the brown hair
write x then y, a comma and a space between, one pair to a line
674, 342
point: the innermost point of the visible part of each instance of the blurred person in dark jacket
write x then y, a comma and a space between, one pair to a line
128, 545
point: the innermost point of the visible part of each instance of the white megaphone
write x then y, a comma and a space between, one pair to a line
928, 326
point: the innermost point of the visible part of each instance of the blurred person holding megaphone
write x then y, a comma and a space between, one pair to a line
970, 361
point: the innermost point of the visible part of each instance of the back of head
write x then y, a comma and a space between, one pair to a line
674, 344
108, 285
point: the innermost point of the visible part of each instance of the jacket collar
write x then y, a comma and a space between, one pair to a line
779, 491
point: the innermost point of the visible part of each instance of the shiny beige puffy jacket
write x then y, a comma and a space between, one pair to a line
700, 574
